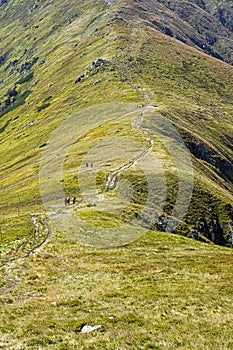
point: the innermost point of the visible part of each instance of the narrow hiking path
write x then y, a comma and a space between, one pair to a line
38, 239
26, 248
45, 241
23, 252
14, 284
113, 178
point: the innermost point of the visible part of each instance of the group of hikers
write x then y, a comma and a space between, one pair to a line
69, 201
72, 200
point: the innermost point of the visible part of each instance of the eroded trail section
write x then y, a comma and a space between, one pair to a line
45, 241
42, 234
13, 284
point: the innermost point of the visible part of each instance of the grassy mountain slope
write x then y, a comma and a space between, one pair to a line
144, 66
47, 76
205, 25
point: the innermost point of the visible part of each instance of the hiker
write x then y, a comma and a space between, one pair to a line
91, 164
74, 200
68, 200
65, 201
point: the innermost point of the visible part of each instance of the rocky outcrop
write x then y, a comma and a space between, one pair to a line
79, 79
2, 60
200, 3
27, 65
201, 151
211, 229
2, 2
96, 66
225, 16
24, 68
98, 63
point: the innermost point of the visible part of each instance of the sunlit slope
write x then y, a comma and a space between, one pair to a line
83, 89
142, 67
163, 291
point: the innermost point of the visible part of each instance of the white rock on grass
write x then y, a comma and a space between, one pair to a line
88, 329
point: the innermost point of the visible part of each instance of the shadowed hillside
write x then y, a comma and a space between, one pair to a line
206, 25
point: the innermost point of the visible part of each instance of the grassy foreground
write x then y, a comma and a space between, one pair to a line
161, 292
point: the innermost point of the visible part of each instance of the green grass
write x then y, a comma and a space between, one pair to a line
187, 87
164, 291
174, 86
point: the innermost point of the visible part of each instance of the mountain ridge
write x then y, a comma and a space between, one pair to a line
112, 107
190, 22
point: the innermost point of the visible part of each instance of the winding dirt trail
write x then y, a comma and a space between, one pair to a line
113, 178
111, 184
48, 237
34, 250
10, 287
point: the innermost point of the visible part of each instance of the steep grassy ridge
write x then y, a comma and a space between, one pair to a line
163, 291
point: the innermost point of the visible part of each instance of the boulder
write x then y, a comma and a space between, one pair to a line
78, 80
98, 63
